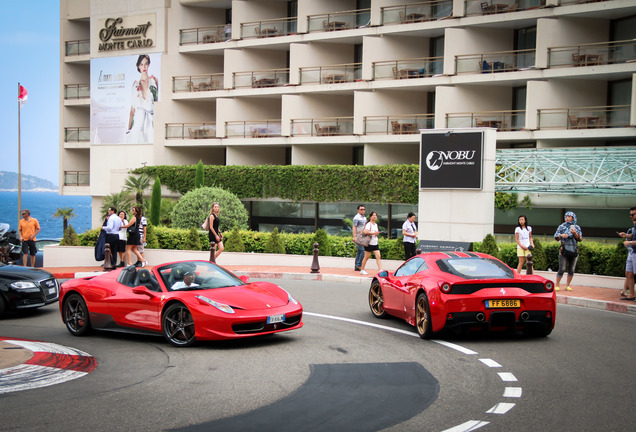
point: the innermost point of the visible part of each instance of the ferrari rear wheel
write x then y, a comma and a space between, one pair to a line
76, 315
376, 300
178, 325
423, 317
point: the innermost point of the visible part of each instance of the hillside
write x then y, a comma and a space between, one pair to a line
9, 181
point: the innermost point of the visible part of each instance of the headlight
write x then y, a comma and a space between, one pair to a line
289, 297
23, 285
220, 306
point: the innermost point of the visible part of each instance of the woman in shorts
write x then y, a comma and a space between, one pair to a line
371, 228
523, 236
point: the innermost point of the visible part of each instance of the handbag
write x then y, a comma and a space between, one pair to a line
569, 248
206, 224
363, 239
132, 229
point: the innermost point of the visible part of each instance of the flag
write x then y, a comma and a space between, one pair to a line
22, 96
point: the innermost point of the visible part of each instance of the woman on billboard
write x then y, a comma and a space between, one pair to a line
145, 93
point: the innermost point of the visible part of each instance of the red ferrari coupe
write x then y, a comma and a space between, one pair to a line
185, 301
464, 291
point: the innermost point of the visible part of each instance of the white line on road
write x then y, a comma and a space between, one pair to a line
512, 392
470, 425
507, 376
500, 408
490, 363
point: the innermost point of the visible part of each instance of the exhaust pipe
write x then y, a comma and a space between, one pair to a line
524, 316
480, 316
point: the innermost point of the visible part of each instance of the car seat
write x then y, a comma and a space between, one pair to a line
128, 276
176, 275
145, 278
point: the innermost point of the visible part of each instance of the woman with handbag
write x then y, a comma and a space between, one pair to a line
123, 237
133, 236
371, 230
214, 234
569, 234
523, 236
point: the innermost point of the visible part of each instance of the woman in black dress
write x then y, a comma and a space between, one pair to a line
133, 236
214, 235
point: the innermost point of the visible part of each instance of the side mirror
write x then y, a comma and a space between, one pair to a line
383, 274
142, 290
244, 278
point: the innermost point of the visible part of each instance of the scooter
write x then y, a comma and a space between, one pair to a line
10, 245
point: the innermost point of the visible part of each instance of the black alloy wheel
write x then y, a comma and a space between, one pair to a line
76, 315
178, 325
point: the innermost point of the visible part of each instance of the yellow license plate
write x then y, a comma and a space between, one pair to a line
495, 304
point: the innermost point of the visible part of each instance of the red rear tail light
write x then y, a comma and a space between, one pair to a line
445, 287
549, 286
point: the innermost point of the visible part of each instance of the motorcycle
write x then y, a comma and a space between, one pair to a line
10, 245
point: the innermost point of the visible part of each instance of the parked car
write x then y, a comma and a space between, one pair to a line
464, 291
26, 288
184, 301
39, 256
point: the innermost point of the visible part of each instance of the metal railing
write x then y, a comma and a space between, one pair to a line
493, 62
417, 12
79, 47
261, 78
191, 130
203, 35
343, 20
409, 68
509, 120
592, 54
77, 91
398, 125
77, 178
196, 83
332, 74
269, 28
571, 2
595, 117
252, 129
77, 134
324, 126
489, 7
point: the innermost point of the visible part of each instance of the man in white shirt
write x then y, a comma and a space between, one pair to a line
112, 233
187, 282
409, 231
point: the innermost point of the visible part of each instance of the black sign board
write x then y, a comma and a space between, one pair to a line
451, 160
444, 246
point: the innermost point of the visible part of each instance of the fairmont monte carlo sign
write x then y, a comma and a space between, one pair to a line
117, 34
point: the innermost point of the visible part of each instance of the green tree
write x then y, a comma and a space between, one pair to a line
324, 246
233, 241
192, 240
121, 201
397, 250
194, 207
70, 237
274, 244
65, 213
151, 237
138, 186
489, 246
155, 204
199, 176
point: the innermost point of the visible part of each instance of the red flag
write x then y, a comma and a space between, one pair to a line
22, 96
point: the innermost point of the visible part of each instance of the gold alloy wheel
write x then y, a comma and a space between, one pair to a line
422, 316
376, 300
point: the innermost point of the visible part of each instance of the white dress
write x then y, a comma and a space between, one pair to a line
142, 130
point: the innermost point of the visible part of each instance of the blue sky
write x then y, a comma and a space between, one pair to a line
30, 51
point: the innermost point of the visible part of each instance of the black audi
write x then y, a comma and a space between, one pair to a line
26, 288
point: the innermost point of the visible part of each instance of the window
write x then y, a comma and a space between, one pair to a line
525, 39
436, 49
410, 267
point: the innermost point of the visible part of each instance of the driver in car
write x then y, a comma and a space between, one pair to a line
187, 282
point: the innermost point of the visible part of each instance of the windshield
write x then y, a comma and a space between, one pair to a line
475, 268
4, 227
196, 275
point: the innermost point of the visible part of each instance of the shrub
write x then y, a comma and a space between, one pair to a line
194, 207
70, 237
508, 254
615, 265
396, 252
151, 237
233, 242
89, 238
192, 240
489, 246
324, 246
538, 256
199, 176
274, 243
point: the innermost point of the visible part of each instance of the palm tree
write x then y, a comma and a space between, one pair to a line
138, 186
65, 213
120, 201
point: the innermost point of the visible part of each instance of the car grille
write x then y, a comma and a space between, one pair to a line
470, 288
46, 285
263, 327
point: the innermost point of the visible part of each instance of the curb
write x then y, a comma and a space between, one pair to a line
597, 304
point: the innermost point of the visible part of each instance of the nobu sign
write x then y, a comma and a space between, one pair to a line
451, 160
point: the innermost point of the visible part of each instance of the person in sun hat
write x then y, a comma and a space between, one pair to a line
569, 234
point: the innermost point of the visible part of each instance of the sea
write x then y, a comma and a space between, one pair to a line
42, 206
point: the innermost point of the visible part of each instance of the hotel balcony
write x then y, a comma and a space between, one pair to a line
489, 7
592, 54
417, 12
333, 74
409, 68
77, 134
325, 126
197, 83
261, 79
510, 120
77, 91
190, 130
78, 47
204, 35
253, 129
502, 61
398, 125
344, 20
77, 178
269, 28
598, 117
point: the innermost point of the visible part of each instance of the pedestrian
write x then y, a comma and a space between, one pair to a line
630, 265
214, 234
569, 234
359, 221
133, 236
409, 231
122, 237
28, 228
142, 240
371, 228
112, 233
525, 244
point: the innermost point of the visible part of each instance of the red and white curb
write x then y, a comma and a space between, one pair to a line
51, 364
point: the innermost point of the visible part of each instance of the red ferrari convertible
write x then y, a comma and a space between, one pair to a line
185, 301
464, 291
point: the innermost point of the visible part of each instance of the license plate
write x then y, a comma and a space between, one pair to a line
275, 319
51, 290
495, 304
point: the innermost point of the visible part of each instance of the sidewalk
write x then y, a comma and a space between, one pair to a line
601, 298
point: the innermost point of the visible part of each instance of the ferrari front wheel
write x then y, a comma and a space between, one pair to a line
376, 300
76, 315
178, 325
423, 317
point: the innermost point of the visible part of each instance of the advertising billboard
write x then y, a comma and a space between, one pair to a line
123, 95
451, 160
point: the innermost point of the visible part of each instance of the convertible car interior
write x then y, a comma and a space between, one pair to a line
132, 277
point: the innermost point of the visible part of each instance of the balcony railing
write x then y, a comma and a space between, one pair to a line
196, 83
77, 134
79, 47
503, 61
77, 178
584, 117
252, 129
339, 20
398, 125
261, 79
333, 74
190, 130
417, 12
204, 35
593, 54
410, 68
325, 126
571, 2
489, 7
511, 120
77, 91
269, 28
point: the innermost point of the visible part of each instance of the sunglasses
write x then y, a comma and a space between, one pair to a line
632, 214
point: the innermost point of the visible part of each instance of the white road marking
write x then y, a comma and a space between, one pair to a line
470, 425
459, 348
47, 347
512, 392
490, 363
507, 376
500, 408
25, 377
